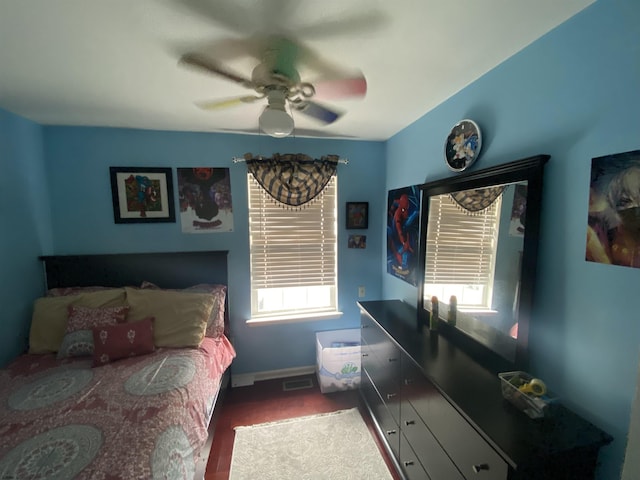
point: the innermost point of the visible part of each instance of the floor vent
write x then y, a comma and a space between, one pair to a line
299, 384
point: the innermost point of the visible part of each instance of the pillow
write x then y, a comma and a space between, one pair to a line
122, 340
180, 318
215, 322
78, 340
49, 319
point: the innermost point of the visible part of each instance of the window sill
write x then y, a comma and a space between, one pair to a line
281, 319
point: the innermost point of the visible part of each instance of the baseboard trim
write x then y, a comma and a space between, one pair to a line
247, 379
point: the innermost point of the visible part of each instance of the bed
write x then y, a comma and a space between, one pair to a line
140, 368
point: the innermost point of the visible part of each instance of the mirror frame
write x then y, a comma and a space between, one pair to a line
531, 170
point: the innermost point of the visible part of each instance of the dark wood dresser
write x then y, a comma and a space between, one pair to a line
441, 413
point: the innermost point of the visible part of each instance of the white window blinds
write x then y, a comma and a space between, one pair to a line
461, 247
293, 253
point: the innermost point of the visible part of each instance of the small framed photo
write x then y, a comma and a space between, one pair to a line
357, 241
357, 215
142, 195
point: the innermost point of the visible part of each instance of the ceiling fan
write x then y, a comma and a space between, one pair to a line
276, 80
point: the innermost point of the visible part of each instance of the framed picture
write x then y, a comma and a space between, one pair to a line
357, 215
357, 241
142, 195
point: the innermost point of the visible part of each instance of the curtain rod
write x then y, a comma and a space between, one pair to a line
241, 159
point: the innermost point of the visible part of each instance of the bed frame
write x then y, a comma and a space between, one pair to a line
167, 270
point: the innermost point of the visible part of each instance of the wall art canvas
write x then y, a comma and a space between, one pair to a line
142, 195
613, 229
403, 226
205, 200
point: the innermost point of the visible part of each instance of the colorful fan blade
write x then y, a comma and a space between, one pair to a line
319, 112
211, 66
341, 88
229, 102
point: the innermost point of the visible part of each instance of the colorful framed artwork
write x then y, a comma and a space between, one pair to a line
613, 223
357, 215
205, 200
142, 195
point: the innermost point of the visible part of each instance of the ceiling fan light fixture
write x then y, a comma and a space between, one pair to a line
276, 122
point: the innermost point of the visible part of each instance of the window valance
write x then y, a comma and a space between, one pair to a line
292, 179
476, 200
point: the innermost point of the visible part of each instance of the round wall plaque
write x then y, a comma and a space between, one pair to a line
463, 145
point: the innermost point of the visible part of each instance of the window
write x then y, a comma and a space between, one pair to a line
461, 253
293, 255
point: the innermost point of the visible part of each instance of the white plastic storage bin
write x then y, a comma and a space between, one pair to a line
338, 359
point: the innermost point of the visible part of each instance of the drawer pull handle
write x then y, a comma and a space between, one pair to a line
480, 467
408, 381
393, 359
391, 432
408, 463
410, 422
365, 354
391, 395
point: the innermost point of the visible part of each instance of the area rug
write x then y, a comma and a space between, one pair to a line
335, 445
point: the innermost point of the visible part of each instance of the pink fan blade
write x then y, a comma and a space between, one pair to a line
341, 88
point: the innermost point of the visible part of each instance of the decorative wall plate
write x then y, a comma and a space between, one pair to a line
463, 145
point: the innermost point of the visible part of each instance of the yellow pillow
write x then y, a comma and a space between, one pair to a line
50, 314
180, 317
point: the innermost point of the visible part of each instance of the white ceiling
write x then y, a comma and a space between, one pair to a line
115, 62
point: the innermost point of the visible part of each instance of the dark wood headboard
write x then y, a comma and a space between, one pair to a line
167, 270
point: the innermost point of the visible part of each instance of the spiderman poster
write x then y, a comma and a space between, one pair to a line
403, 224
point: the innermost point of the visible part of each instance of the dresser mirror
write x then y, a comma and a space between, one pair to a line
478, 249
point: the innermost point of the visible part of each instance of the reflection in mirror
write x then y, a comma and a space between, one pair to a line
476, 252
474, 248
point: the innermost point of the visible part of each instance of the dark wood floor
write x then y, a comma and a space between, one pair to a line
267, 401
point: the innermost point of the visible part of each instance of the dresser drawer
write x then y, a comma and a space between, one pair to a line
371, 331
433, 458
387, 425
473, 456
382, 360
411, 466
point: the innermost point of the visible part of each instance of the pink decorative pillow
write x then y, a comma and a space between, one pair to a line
86, 318
78, 339
215, 323
122, 340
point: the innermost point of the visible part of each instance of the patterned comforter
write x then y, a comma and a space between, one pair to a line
138, 418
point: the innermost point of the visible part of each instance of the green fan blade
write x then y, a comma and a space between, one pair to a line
286, 57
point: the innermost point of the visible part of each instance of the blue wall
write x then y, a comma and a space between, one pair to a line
25, 231
573, 94
82, 213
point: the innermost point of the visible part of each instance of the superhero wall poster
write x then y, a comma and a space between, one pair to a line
403, 215
613, 225
205, 200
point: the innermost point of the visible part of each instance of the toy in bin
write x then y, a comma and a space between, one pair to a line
527, 393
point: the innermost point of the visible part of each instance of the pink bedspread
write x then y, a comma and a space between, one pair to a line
142, 417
